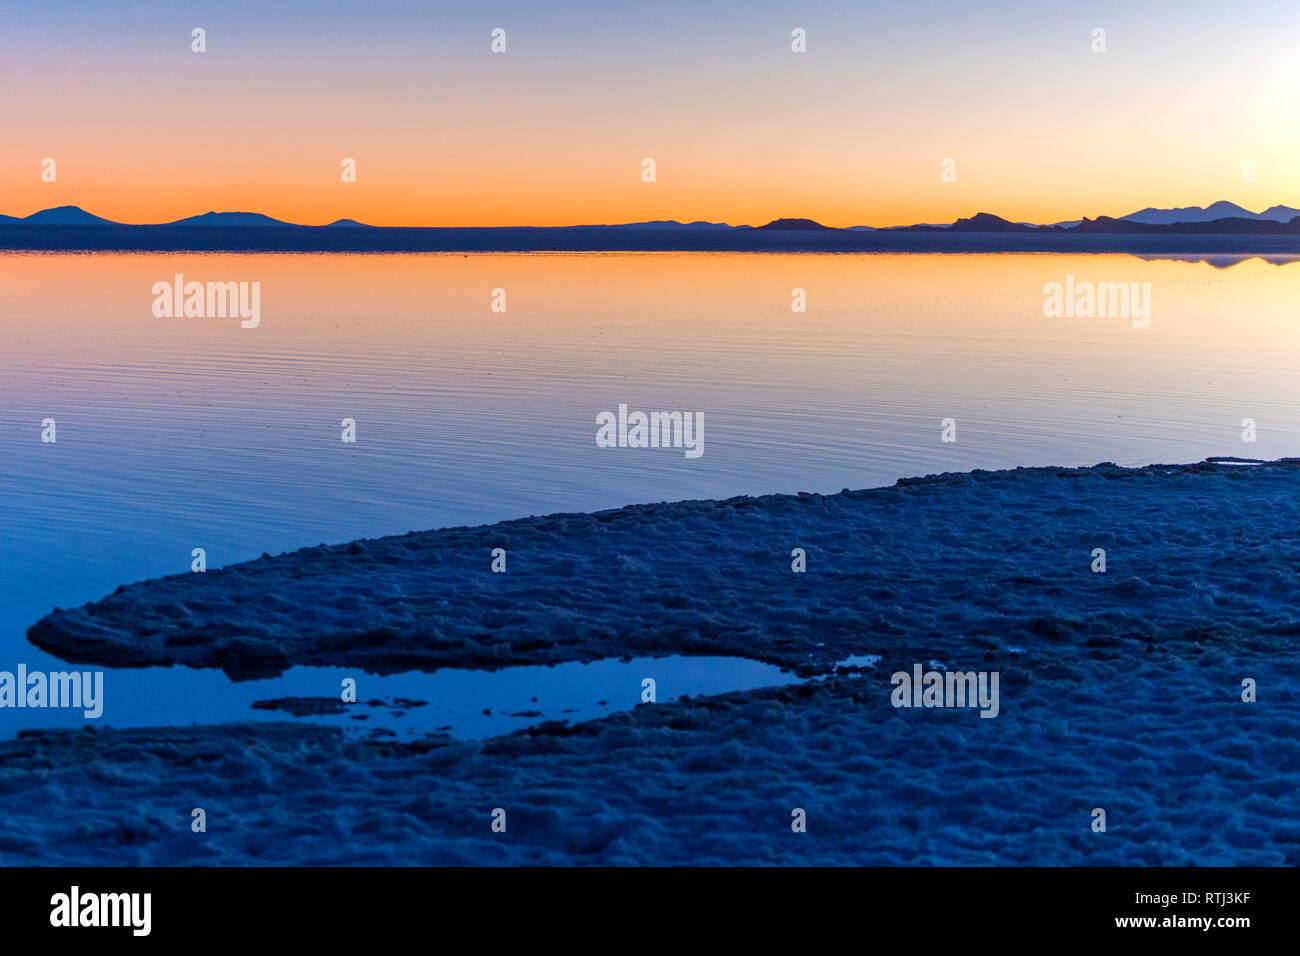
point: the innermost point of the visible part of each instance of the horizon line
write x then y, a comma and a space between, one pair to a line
344, 221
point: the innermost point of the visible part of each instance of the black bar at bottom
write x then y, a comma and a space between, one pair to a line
368, 906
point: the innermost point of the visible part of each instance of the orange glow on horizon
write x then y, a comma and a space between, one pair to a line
742, 131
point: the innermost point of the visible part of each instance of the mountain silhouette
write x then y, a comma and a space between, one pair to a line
230, 219
795, 225
66, 216
1220, 217
662, 224
987, 222
1219, 210
1275, 231
980, 222
1233, 226
1280, 213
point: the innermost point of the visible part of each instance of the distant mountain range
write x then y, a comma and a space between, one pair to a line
1218, 210
660, 224
1188, 230
1220, 217
76, 216
1253, 225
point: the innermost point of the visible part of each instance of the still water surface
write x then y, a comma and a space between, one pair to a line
182, 433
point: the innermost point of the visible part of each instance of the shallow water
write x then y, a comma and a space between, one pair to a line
465, 704
175, 434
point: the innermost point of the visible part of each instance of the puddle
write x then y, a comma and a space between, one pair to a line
467, 704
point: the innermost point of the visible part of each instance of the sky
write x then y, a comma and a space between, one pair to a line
553, 131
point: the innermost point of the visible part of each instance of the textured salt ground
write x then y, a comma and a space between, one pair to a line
1187, 774
1119, 691
930, 567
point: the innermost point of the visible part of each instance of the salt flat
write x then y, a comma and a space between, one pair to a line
1119, 690
946, 567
